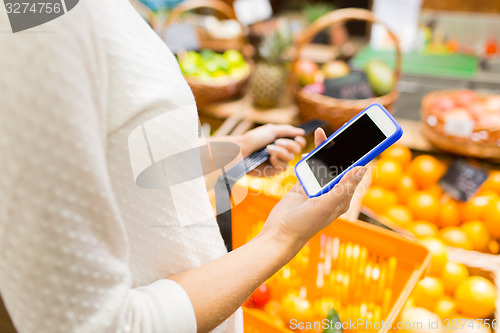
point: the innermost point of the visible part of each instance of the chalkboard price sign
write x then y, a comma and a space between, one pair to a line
352, 86
462, 180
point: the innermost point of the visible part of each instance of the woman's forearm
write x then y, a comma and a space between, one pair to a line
218, 288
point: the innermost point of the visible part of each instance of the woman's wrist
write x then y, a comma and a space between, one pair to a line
287, 245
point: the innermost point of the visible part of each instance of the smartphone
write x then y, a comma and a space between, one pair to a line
356, 143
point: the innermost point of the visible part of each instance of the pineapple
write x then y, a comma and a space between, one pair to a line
269, 76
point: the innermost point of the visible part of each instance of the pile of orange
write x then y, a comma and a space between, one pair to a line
450, 291
405, 191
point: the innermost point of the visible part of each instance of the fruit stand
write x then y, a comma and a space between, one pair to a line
441, 264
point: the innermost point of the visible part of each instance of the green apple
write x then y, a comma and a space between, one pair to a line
234, 57
380, 76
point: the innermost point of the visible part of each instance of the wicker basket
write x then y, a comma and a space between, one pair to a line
482, 143
209, 92
334, 110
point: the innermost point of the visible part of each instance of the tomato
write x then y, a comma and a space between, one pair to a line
259, 297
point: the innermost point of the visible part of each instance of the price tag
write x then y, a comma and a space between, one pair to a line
181, 37
462, 127
462, 180
251, 11
352, 86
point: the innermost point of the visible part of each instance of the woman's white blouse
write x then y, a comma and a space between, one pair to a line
86, 101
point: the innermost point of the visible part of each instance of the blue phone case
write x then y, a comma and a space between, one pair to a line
364, 160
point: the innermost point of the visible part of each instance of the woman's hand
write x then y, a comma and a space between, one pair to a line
282, 150
296, 218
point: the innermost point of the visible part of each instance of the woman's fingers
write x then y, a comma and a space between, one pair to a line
286, 131
319, 136
290, 145
301, 141
280, 152
278, 163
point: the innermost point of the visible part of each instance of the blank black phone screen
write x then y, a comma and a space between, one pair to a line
345, 149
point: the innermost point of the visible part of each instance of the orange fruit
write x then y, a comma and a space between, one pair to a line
439, 254
424, 206
475, 207
449, 214
387, 173
446, 307
456, 237
400, 215
493, 182
423, 229
399, 153
492, 218
427, 292
435, 190
405, 188
477, 233
453, 274
475, 297
426, 170
379, 199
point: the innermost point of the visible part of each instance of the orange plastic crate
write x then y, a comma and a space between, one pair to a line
401, 263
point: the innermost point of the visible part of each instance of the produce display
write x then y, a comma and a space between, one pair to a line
210, 66
405, 191
466, 106
350, 282
451, 296
376, 79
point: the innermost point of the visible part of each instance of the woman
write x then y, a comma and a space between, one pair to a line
83, 247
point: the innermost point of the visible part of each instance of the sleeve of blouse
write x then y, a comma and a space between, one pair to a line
63, 247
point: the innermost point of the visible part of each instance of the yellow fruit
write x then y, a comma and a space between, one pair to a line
399, 153
456, 237
424, 206
295, 307
416, 320
449, 214
478, 234
387, 173
446, 308
405, 188
423, 229
379, 199
427, 292
426, 170
439, 254
453, 274
400, 215
475, 208
492, 218
475, 297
